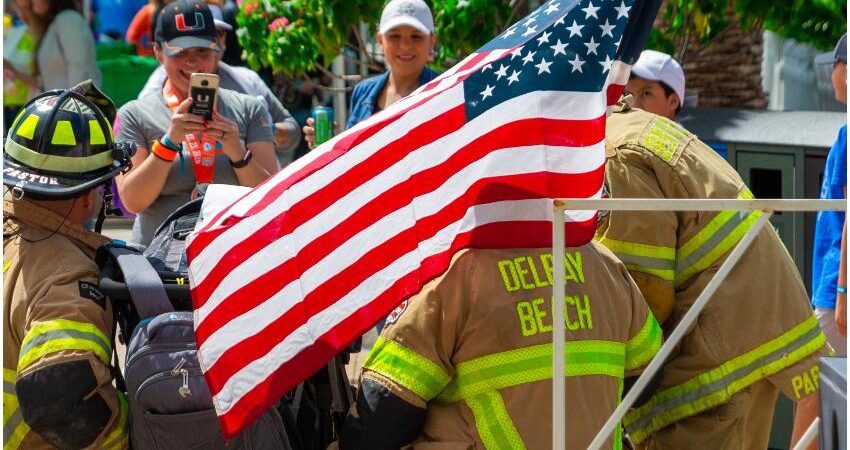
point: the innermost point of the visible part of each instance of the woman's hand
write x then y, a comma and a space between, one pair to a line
226, 132
309, 130
183, 123
310, 133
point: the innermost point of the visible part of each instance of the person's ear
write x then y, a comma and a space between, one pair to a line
379, 38
433, 47
157, 51
89, 200
673, 103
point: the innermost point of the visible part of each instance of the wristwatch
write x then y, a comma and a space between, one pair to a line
242, 162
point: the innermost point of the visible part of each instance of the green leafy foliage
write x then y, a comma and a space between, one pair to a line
465, 25
293, 36
816, 22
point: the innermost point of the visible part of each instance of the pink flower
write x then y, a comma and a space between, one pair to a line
251, 7
277, 24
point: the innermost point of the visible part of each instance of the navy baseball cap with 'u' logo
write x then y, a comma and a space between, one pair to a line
185, 24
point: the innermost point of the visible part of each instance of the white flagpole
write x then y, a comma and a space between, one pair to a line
678, 333
559, 413
809, 436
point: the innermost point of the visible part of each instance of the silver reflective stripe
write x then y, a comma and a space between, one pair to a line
11, 425
63, 334
9, 387
715, 386
646, 261
725, 230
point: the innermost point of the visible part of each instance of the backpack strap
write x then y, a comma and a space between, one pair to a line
143, 282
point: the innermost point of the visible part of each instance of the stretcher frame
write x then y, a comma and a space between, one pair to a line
560, 206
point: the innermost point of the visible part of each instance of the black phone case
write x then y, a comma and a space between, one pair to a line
203, 101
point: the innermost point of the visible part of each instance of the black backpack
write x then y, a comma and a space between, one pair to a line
170, 403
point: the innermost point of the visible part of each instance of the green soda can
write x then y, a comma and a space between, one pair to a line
323, 122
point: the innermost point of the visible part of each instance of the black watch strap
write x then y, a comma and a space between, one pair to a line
242, 162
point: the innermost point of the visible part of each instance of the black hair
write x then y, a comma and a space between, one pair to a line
668, 91
54, 8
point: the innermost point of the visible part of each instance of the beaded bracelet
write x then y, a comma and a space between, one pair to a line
841, 290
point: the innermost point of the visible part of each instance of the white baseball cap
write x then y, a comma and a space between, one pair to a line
657, 66
407, 12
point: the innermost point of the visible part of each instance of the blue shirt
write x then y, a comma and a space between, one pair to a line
365, 95
827, 247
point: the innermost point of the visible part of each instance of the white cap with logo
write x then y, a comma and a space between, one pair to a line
657, 66
407, 12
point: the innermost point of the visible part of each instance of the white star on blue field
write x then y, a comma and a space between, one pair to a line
569, 46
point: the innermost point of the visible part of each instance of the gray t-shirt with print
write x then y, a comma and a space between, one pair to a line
147, 119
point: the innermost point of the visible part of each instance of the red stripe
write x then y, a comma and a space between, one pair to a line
322, 198
483, 191
340, 148
526, 132
515, 134
312, 358
614, 92
468, 65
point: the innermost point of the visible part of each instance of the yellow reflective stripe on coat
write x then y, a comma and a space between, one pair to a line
59, 335
717, 386
644, 345
717, 238
119, 437
404, 366
493, 422
533, 363
651, 259
14, 427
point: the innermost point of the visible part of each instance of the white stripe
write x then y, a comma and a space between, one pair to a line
206, 261
258, 370
455, 74
576, 105
503, 162
619, 73
287, 246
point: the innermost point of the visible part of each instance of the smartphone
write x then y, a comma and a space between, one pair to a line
203, 88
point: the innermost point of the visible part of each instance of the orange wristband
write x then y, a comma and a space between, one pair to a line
162, 152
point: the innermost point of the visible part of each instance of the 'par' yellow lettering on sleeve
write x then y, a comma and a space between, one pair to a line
806, 383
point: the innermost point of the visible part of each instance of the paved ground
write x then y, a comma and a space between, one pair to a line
120, 229
117, 228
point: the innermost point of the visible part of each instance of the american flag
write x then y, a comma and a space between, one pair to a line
301, 266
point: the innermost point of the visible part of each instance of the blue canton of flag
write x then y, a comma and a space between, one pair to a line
563, 45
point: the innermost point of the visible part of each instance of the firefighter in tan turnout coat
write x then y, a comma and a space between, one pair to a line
467, 362
57, 324
757, 335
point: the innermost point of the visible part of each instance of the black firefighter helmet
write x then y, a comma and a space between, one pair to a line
61, 146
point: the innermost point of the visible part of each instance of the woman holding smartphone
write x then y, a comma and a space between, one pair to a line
179, 153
